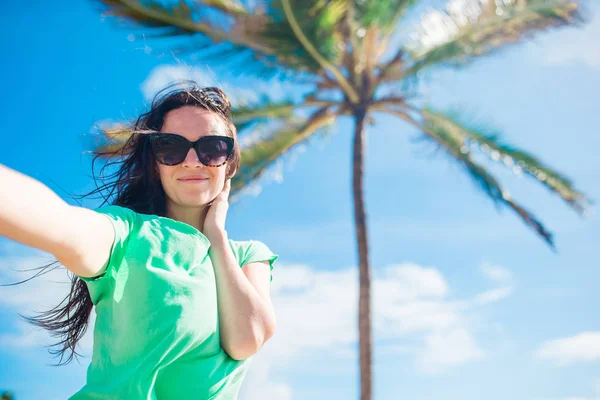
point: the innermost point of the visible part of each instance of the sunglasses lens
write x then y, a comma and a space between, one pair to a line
214, 151
170, 149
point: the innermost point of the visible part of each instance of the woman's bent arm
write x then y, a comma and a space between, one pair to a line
34, 215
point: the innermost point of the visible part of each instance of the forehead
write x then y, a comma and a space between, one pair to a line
193, 123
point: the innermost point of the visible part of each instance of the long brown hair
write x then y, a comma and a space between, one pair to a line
134, 185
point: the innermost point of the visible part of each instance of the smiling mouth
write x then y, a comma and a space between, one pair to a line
195, 180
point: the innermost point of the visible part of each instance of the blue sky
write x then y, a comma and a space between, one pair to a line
468, 303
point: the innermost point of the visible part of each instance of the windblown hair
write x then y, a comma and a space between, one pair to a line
134, 185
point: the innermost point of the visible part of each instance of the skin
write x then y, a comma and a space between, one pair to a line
246, 314
186, 201
81, 239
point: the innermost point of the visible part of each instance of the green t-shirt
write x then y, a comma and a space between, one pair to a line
157, 323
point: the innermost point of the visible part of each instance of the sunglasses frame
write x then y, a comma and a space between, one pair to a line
152, 137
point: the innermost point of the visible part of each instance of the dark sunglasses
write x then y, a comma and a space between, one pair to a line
171, 149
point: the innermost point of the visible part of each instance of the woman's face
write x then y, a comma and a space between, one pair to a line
191, 183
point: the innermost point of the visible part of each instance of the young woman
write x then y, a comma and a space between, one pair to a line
179, 306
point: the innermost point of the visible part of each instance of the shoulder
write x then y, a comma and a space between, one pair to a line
124, 220
247, 251
240, 247
247, 245
242, 244
117, 212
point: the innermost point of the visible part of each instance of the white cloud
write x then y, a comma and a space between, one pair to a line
494, 295
414, 317
415, 281
27, 336
29, 298
259, 385
502, 277
410, 304
42, 292
496, 273
316, 314
446, 349
584, 347
239, 94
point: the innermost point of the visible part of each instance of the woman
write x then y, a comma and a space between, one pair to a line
180, 307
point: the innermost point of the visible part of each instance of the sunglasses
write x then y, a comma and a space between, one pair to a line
171, 149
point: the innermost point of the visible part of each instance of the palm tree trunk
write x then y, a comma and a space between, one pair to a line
364, 302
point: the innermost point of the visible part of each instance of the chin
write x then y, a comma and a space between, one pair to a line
194, 203
197, 201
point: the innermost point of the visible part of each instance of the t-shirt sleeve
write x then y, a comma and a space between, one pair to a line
123, 221
254, 251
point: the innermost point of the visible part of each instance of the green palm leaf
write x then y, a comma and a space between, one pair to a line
154, 14
375, 22
319, 51
259, 155
383, 13
236, 30
229, 7
266, 34
474, 28
518, 160
318, 21
269, 110
448, 140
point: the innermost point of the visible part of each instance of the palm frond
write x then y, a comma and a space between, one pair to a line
257, 156
380, 19
230, 7
270, 111
315, 25
452, 144
113, 140
381, 13
232, 30
245, 117
470, 28
154, 14
520, 161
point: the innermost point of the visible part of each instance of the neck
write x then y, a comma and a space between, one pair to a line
193, 216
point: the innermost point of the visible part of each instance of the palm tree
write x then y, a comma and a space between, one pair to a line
6, 396
347, 50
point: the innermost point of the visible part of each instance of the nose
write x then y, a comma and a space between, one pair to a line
191, 160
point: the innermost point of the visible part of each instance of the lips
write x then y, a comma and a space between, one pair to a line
193, 178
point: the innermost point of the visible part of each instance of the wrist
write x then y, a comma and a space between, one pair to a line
218, 238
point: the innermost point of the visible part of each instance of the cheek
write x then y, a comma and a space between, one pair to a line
158, 167
220, 176
160, 173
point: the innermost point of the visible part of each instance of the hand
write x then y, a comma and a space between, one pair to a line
214, 222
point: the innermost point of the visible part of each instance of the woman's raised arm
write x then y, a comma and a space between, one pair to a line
31, 213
